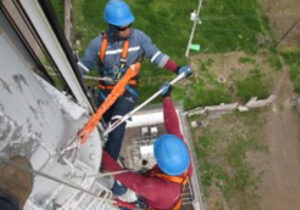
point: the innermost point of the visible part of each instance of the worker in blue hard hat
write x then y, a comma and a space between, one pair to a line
161, 187
114, 51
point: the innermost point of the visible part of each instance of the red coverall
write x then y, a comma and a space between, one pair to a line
158, 193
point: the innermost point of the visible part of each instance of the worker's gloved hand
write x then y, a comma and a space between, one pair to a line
166, 89
186, 70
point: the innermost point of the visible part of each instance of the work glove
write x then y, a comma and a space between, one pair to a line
186, 70
166, 89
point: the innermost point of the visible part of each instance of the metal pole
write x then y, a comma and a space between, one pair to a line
193, 29
127, 116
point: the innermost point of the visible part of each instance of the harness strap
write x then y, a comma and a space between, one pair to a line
103, 47
184, 180
175, 179
124, 55
106, 87
178, 204
123, 59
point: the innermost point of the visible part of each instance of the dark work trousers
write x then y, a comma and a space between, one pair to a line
7, 202
122, 106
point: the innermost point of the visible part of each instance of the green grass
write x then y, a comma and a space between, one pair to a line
275, 62
58, 6
231, 25
293, 59
246, 60
159, 19
226, 26
252, 85
222, 153
205, 95
201, 93
87, 21
242, 178
147, 91
240, 85
295, 76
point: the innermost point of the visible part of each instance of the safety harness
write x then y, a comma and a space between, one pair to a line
123, 59
126, 78
182, 180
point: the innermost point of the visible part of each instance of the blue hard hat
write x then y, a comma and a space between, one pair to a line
171, 154
118, 13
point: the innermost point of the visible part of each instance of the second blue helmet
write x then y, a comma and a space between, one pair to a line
171, 154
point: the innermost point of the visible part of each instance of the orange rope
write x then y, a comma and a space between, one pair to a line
116, 92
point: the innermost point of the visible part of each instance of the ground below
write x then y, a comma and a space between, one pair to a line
280, 183
276, 128
284, 18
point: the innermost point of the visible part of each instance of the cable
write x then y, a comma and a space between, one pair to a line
87, 77
98, 175
288, 31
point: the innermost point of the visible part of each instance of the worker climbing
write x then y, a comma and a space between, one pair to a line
116, 52
161, 187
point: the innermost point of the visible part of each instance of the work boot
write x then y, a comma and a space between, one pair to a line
118, 188
16, 182
129, 196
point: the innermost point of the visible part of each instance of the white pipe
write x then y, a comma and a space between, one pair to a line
193, 29
128, 115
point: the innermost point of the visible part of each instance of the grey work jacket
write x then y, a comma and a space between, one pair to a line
139, 45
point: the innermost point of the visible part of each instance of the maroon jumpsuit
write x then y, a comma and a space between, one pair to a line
158, 193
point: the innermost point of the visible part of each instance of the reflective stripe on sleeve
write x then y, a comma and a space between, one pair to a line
155, 56
163, 61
